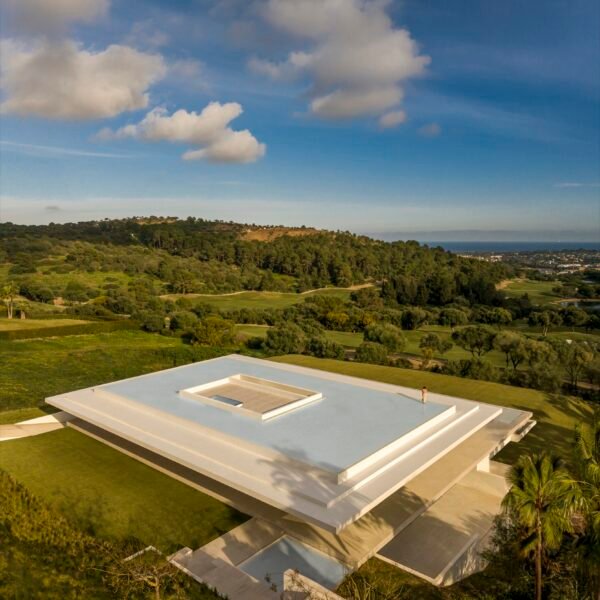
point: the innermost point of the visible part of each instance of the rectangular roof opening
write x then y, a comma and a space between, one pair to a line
252, 396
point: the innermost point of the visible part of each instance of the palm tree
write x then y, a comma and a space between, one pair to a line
9, 291
587, 463
542, 500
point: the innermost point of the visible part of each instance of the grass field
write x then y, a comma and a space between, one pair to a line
113, 496
555, 414
352, 340
258, 299
16, 324
345, 338
540, 292
34, 369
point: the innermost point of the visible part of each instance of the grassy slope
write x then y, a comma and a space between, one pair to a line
259, 299
13, 324
112, 495
556, 415
34, 369
540, 292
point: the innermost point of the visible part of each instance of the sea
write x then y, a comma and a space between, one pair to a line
501, 247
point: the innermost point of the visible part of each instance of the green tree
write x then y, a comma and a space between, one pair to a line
413, 318
183, 320
476, 339
545, 319
387, 334
499, 317
542, 500
9, 292
453, 317
574, 357
574, 317
587, 465
432, 344
286, 338
213, 331
514, 347
372, 352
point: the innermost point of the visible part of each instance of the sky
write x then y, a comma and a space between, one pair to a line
408, 118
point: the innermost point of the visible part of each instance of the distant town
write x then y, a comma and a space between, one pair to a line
551, 262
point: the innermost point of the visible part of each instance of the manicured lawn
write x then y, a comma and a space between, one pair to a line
345, 338
113, 496
555, 414
22, 414
34, 369
14, 324
258, 299
540, 292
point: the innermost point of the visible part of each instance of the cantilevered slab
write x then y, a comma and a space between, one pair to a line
328, 461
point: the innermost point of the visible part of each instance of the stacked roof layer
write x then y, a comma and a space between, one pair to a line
331, 449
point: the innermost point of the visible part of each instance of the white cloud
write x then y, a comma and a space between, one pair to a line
51, 16
392, 119
357, 59
430, 130
208, 129
575, 184
59, 80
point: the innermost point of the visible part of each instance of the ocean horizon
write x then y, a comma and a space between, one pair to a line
511, 246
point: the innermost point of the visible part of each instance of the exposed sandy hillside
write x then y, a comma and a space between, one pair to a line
268, 234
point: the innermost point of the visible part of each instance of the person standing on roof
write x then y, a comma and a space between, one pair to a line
423, 394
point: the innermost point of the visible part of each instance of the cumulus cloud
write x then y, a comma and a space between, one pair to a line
430, 130
357, 60
208, 129
52, 16
60, 80
392, 119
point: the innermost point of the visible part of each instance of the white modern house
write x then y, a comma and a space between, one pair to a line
333, 469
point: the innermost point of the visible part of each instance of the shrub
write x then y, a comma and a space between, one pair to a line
323, 348
372, 352
212, 331
286, 338
387, 334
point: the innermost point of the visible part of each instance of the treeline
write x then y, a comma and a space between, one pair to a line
412, 273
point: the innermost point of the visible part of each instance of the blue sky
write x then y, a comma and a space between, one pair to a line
379, 117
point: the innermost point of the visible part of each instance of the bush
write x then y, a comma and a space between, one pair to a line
387, 334
286, 338
323, 348
183, 321
473, 369
212, 331
372, 352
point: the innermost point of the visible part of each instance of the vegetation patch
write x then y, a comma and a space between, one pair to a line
113, 496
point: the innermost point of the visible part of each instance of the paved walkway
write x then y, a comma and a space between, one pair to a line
438, 539
21, 430
222, 576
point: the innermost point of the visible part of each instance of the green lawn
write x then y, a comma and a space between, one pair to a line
112, 495
34, 369
258, 299
14, 324
540, 292
345, 338
555, 414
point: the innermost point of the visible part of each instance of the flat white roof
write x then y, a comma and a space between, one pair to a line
348, 424
328, 461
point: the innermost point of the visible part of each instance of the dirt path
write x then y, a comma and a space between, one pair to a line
352, 288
